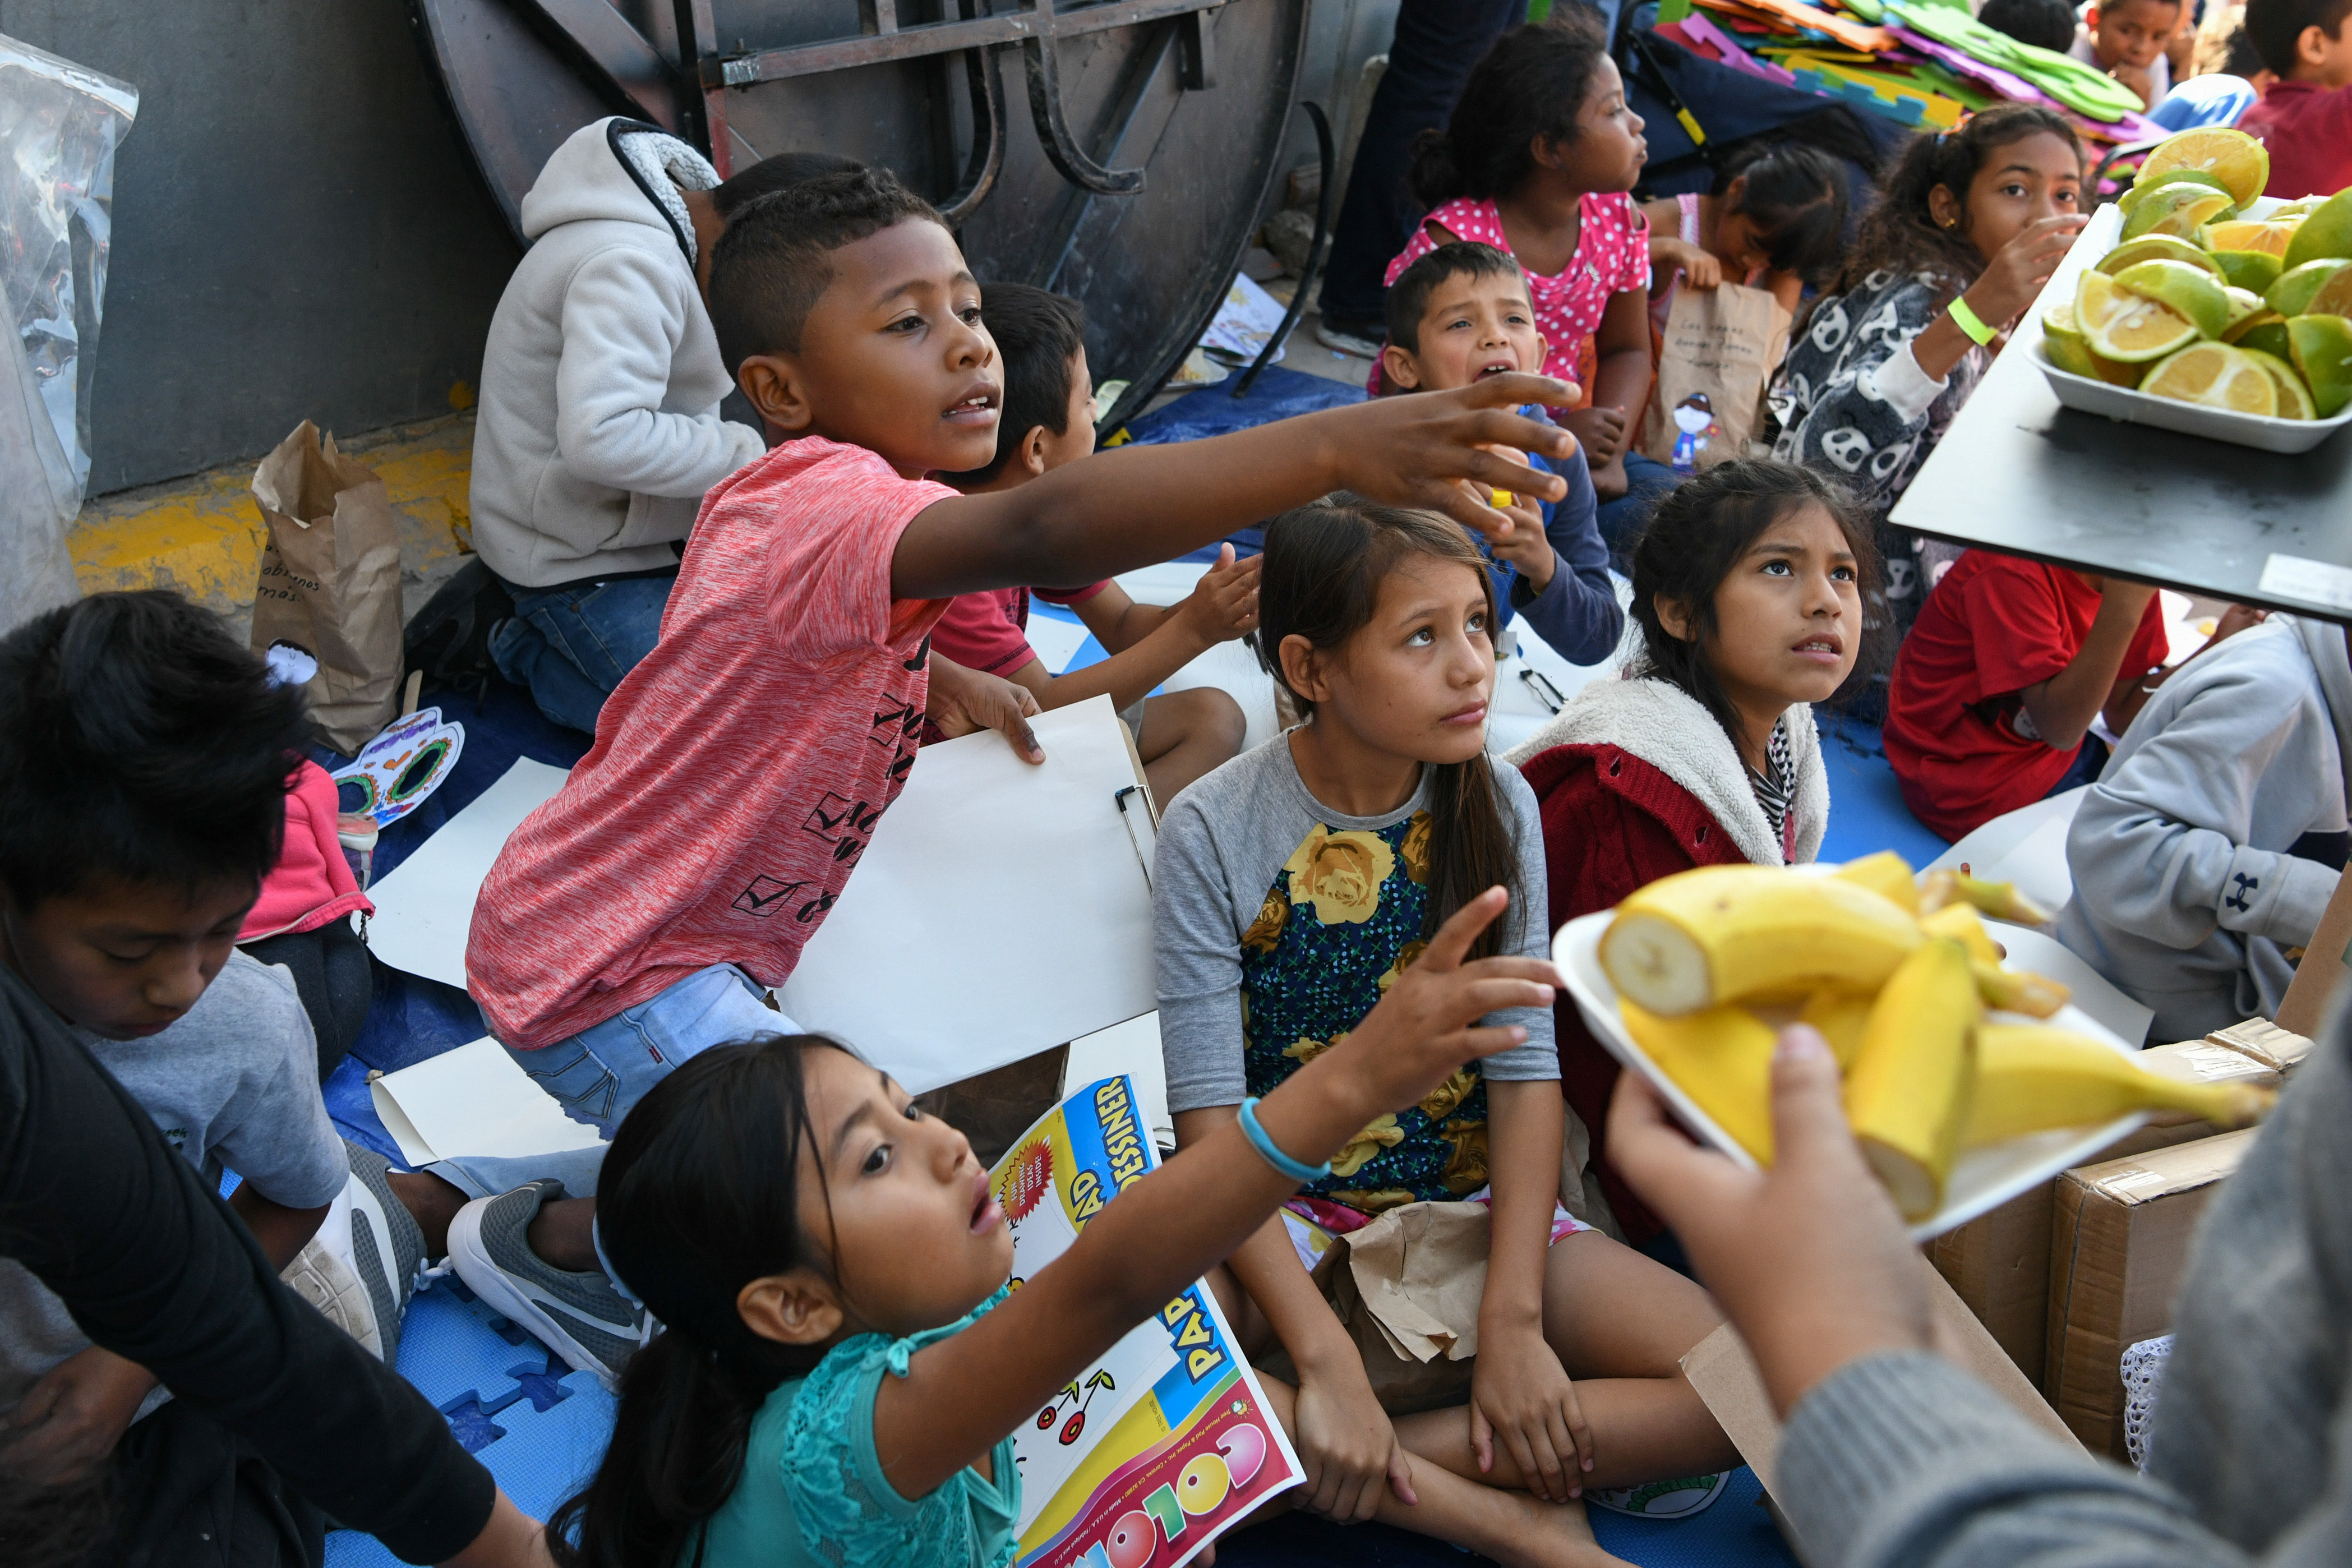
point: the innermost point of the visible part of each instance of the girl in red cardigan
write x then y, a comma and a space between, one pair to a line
1747, 584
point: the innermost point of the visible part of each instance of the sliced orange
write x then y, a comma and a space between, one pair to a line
2215, 375
2127, 328
2294, 397
2234, 158
2248, 233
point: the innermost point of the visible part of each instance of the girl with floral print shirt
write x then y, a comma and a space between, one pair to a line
1294, 888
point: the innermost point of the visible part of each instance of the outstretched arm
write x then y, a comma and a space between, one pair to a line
1149, 643
964, 1393
1405, 451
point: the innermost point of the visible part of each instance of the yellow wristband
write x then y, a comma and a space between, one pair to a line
1969, 321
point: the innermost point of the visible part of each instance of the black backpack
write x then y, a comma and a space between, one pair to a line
449, 638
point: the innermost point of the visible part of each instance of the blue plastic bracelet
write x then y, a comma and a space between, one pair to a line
1260, 1140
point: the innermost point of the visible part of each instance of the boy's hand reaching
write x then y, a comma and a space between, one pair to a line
963, 701
1411, 451
72, 1419
1224, 604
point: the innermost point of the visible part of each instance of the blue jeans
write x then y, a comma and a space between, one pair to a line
599, 1074
1621, 521
570, 646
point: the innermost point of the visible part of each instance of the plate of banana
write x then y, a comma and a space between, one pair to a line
1966, 1081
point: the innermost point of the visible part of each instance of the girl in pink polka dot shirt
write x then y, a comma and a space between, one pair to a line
1538, 161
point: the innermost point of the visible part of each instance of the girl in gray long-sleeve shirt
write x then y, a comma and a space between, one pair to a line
1969, 225
1294, 888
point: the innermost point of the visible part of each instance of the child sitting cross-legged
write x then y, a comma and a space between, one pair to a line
1049, 420
1294, 888
844, 1362
739, 772
1456, 316
1747, 584
144, 760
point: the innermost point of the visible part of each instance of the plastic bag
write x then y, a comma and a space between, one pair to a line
59, 123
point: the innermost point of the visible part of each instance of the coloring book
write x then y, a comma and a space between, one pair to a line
1159, 1446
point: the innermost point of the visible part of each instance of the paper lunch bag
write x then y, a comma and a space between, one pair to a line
331, 582
1715, 359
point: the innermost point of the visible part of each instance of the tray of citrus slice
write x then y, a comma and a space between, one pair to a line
2197, 304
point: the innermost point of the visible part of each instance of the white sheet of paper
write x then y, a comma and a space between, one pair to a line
1057, 641
425, 909
2037, 865
1000, 909
2036, 953
473, 1100
1131, 1048
1993, 841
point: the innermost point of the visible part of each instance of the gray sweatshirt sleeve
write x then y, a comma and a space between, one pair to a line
1529, 931
1905, 1461
1196, 951
2159, 845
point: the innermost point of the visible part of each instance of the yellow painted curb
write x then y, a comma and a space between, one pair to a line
202, 535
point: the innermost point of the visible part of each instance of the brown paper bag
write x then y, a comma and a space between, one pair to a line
331, 582
1407, 1286
1716, 356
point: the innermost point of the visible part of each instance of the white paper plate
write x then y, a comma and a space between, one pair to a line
2101, 234
1983, 1179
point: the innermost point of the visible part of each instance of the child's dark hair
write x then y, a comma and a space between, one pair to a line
1039, 335
1532, 83
1408, 297
1698, 532
1901, 233
1321, 580
699, 1196
140, 742
2239, 56
769, 176
2275, 25
1795, 194
774, 263
2044, 24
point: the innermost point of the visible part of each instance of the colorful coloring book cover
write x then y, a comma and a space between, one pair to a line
1159, 1446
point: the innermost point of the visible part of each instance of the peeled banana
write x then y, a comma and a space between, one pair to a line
1721, 1058
2017, 991
2001, 901
1731, 933
1887, 874
1907, 1096
2030, 1079
1841, 1017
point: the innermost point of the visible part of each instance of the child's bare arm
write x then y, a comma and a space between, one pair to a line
965, 1392
1140, 505
282, 1232
1153, 642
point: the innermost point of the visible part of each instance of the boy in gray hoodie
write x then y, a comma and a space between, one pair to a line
2192, 856
599, 427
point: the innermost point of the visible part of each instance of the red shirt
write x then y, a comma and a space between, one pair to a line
1993, 627
2307, 130
738, 771
989, 631
1612, 823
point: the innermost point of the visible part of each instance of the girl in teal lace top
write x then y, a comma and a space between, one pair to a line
843, 1366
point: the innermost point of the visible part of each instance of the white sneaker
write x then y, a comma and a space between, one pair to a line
362, 1266
1345, 342
1661, 1500
580, 1317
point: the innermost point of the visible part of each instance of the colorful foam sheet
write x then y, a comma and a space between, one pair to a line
1166, 1442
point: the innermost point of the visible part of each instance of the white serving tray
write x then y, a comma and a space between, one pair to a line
2131, 406
1983, 1179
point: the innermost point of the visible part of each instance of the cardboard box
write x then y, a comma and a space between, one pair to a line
1998, 1263
1725, 1376
2322, 964
2119, 1237
2279, 1049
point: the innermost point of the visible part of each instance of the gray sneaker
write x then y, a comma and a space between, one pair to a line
1346, 338
387, 1248
362, 1266
580, 1317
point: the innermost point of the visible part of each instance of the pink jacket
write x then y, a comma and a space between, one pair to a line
312, 883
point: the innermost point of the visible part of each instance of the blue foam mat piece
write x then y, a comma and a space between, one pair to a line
539, 1427
1866, 809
